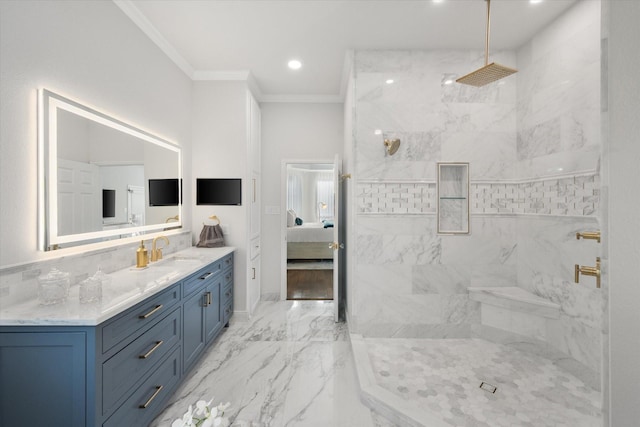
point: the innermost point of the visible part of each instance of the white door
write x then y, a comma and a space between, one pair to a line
79, 207
337, 244
135, 205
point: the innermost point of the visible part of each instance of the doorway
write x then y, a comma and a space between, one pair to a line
310, 215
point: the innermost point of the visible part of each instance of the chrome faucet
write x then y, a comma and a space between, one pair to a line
156, 253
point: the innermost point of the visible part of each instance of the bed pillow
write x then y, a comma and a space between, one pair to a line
291, 218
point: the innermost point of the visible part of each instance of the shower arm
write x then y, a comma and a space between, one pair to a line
486, 43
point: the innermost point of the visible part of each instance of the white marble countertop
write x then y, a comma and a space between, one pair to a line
127, 288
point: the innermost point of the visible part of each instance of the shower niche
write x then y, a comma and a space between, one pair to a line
453, 198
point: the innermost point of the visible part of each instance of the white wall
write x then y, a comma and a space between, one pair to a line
220, 141
291, 131
624, 205
88, 51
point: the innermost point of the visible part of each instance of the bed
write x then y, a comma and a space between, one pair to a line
309, 241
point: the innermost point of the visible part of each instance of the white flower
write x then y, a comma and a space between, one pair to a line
201, 407
204, 416
187, 419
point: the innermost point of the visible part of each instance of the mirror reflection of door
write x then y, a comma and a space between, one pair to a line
310, 218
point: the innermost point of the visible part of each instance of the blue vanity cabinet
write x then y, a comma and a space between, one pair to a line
43, 380
121, 372
226, 297
202, 308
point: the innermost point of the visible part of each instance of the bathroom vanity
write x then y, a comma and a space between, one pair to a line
114, 363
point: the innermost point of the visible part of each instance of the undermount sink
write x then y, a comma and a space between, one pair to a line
176, 260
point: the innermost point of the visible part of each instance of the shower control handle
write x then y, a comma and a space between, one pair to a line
588, 271
592, 235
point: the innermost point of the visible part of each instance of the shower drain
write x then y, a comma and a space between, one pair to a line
488, 387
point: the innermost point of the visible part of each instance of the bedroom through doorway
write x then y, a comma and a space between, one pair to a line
310, 220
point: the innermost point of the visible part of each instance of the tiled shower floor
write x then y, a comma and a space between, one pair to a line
442, 377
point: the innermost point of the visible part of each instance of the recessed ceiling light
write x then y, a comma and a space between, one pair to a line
389, 81
295, 64
535, 1
377, 132
438, 1
448, 81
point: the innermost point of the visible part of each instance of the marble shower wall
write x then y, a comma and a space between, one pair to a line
409, 281
533, 143
559, 132
558, 99
435, 121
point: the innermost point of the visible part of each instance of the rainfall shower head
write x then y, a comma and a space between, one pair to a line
490, 72
392, 145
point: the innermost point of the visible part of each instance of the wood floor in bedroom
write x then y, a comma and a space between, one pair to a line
314, 284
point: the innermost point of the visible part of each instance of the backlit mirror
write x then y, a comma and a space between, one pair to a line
101, 178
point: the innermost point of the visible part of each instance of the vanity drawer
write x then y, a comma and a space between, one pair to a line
227, 279
227, 312
141, 315
153, 393
198, 280
227, 292
227, 261
129, 365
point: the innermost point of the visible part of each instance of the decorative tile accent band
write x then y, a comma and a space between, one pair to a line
571, 196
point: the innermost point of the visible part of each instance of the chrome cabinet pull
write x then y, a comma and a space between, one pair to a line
148, 353
206, 275
209, 298
148, 402
144, 316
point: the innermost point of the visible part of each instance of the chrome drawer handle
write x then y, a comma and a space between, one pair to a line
155, 347
206, 275
206, 299
148, 402
144, 316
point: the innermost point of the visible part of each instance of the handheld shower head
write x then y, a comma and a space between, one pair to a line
392, 145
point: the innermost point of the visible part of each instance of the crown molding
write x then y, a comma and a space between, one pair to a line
304, 99
152, 32
147, 27
227, 75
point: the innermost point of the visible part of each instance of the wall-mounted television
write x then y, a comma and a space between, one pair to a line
219, 191
165, 192
108, 203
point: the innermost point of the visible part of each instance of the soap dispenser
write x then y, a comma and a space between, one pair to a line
142, 256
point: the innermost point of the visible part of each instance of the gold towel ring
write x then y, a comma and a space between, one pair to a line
214, 218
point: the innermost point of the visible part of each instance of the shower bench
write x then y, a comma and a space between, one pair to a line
515, 310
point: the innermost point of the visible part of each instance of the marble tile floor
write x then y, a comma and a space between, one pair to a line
420, 378
290, 365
